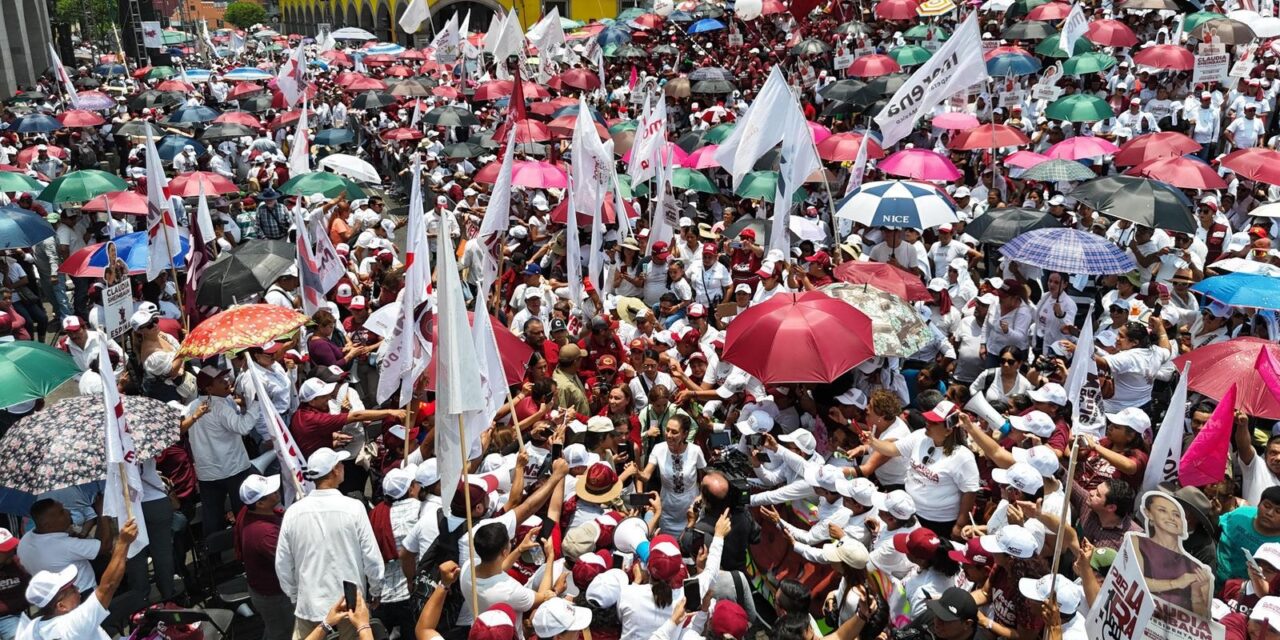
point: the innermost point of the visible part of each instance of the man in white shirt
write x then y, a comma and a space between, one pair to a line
1205, 125
49, 547
325, 540
710, 279
1244, 132
64, 611
1259, 473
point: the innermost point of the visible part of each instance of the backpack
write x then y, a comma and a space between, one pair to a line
147, 630
427, 577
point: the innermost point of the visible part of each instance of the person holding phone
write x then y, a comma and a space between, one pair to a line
678, 467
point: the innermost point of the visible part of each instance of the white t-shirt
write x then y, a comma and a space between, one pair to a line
500, 588
1134, 372
894, 470
53, 551
82, 623
1257, 478
936, 480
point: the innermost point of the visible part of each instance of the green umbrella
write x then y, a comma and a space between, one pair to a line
923, 31
330, 184
718, 133
1057, 170
910, 54
1087, 63
176, 37
1198, 18
32, 370
624, 186
630, 14
625, 125
1021, 8
81, 186
11, 182
569, 24
160, 73
692, 179
1050, 47
763, 185
1079, 108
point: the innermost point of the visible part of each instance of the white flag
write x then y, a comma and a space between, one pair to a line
416, 13
650, 142
492, 377
152, 35
1166, 450
859, 170
293, 466
300, 152
659, 227
547, 33
73, 98
952, 68
591, 174
292, 77
1082, 366
457, 375
407, 354
497, 215
446, 42
1073, 28
504, 43
163, 244
121, 456
798, 161
237, 42
204, 220
759, 130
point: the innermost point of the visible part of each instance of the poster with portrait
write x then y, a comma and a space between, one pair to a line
117, 297
1155, 589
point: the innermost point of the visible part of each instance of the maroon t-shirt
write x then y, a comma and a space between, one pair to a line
1008, 606
13, 587
313, 429
256, 537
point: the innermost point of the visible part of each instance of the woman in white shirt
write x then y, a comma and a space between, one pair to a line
678, 466
884, 410
1055, 314
933, 570
1005, 381
1009, 324
643, 607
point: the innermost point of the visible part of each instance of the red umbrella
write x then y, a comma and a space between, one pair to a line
527, 130
188, 185
514, 352
398, 71
551, 106
897, 9
27, 155
526, 173
175, 85
648, 21
413, 54
1111, 33
1214, 368
884, 277
1166, 56
1150, 146
362, 83
80, 118
794, 338
874, 65
429, 67
771, 7
77, 264
379, 59
336, 58
289, 117
843, 147
608, 214
1007, 49
445, 91
130, 202
1181, 172
1255, 164
580, 78
562, 127
141, 71
989, 136
1050, 11
402, 133
239, 117
243, 89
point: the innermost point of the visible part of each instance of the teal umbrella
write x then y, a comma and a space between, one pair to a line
625, 125
32, 370
81, 186
924, 31
763, 185
718, 133
1198, 18
11, 182
330, 184
1087, 63
1079, 108
910, 55
1050, 47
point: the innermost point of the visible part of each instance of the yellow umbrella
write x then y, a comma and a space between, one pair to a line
933, 8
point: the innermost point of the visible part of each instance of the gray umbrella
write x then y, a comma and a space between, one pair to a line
713, 86
139, 128
853, 28
999, 226
244, 271
451, 117
373, 100
226, 131
811, 47
1028, 30
711, 73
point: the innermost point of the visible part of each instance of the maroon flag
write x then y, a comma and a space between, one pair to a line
198, 258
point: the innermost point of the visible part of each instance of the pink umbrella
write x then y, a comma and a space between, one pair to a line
1181, 172
897, 9
874, 66
920, 164
955, 120
1050, 11
527, 173
1166, 56
1112, 33
675, 155
702, 158
819, 132
1024, 159
1081, 147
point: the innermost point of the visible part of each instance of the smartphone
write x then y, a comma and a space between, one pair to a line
638, 500
619, 560
1248, 559
628, 449
763, 455
692, 595
755, 440
557, 451
547, 526
349, 590
719, 439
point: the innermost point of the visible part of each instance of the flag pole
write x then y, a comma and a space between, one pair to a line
408, 426
124, 486
173, 274
466, 497
1062, 521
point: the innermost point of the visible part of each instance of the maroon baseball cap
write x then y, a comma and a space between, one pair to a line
920, 544
974, 554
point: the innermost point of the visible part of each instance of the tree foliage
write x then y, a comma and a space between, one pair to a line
93, 16
244, 14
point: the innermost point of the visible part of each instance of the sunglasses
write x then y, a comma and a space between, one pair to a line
1008, 361
929, 456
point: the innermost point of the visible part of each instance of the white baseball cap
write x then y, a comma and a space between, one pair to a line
45, 585
1052, 393
897, 503
256, 487
1266, 610
758, 422
397, 482
1040, 457
802, 439
1020, 476
987, 299
941, 411
323, 460
1068, 594
1013, 540
860, 489
1135, 419
314, 388
1269, 553
557, 616
577, 456
823, 476
854, 397
1035, 422
427, 473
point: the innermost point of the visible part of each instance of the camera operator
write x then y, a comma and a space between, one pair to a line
716, 497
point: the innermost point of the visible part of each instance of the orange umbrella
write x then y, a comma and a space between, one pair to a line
240, 327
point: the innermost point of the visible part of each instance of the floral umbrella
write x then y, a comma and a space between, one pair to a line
240, 327
896, 327
62, 446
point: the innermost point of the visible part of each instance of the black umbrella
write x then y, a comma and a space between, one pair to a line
139, 128
999, 226
464, 150
1028, 30
411, 87
256, 104
373, 100
451, 117
691, 141
244, 271
666, 50
226, 131
1146, 202
810, 47
708, 10
850, 91
87, 82
630, 51
853, 28
887, 85
713, 86
151, 98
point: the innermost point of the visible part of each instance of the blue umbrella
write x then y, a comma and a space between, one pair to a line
110, 70
572, 110
1012, 64
21, 228
1242, 290
247, 73
334, 137
898, 204
36, 123
613, 36
1070, 251
680, 16
132, 248
171, 145
386, 48
192, 114
706, 24
197, 75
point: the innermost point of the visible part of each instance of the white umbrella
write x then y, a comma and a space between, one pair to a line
898, 204
352, 33
1240, 265
352, 167
1271, 210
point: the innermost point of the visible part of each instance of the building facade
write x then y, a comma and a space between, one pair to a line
24, 44
379, 17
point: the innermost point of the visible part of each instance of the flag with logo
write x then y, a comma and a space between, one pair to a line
73, 98
293, 465
650, 142
406, 358
152, 35
300, 151
797, 162
121, 456
1082, 366
1073, 28
292, 80
313, 276
163, 243
497, 214
859, 170
457, 374
198, 257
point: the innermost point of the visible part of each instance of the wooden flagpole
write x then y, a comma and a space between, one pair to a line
466, 496
1062, 522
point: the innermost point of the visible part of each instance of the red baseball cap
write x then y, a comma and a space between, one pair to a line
496, 623
920, 544
665, 562
974, 554
747, 233
728, 618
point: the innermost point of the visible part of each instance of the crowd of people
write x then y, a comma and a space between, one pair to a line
636, 484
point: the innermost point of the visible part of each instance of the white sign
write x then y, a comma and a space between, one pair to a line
1012, 98
931, 45
1048, 93
842, 62
117, 306
1241, 69
863, 51
959, 101
735, 40
988, 46
1210, 68
152, 35
1208, 48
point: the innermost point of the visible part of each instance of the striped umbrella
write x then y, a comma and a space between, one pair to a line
1059, 170
898, 204
1070, 251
